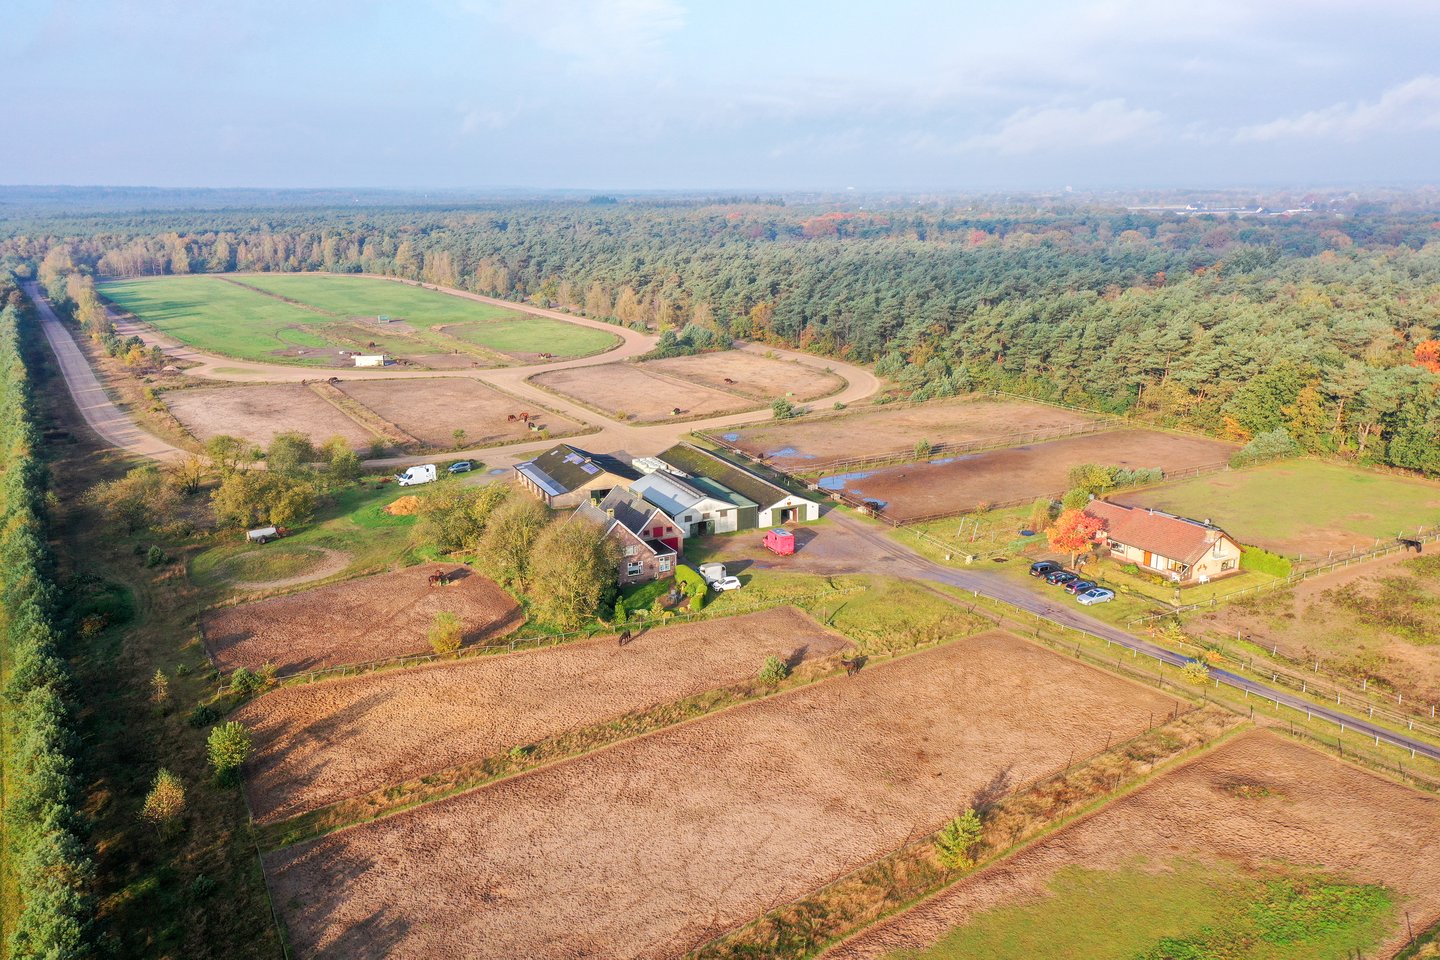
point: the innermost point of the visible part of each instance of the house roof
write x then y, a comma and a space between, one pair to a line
1176, 538
702, 464
629, 511
563, 468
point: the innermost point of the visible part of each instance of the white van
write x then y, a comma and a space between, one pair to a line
424, 473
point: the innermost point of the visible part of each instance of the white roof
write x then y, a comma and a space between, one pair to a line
671, 494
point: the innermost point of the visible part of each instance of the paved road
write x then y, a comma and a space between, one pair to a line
849, 545
113, 425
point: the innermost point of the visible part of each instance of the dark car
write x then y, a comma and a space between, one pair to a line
1043, 568
1060, 577
1078, 587
462, 466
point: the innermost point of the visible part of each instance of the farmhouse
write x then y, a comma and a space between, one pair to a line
774, 505
565, 476
1186, 551
650, 542
697, 505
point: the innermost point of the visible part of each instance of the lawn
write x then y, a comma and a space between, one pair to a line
492, 327
1301, 508
220, 317
1189, 911
354, 523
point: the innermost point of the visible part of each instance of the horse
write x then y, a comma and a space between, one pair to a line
1409, 544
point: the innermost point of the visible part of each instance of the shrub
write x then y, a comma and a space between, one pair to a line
228, 747
246, 682
1076, 499
774, 670
621, 614
922, 449
956, 842
1263, 561
154, 557
165, 803
1270, 445
446, 633
202, 886
159, 687
203, 716
1196, 672
783, 409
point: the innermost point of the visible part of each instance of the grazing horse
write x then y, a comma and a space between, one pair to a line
852, 665
1408, 544
623, 639
439, 579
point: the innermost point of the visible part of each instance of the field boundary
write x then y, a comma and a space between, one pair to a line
363, 416
608, 415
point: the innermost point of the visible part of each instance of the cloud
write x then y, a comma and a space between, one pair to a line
604, 35
1414, 105
1103, 123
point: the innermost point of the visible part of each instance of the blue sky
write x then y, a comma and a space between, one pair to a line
677, 94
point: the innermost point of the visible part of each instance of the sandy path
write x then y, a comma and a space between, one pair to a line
325, 742
1318, 812
661, 842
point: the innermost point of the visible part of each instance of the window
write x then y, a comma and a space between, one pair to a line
631, 550
664, 564
634, 569
1219, 549
1227, 565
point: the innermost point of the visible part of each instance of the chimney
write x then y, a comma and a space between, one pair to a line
610, 512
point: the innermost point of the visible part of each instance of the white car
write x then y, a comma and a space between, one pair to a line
726, 583
1095, 595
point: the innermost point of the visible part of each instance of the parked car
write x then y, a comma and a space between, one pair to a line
462, 466
725, 583
424, 473
1044, 568
1060, 577
1095, 595
1078, 587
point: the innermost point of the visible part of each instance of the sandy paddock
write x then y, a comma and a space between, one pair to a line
324, 742
949, 485
258, 413
626, 391
431, 410
752, 374
371, 618
881, 430
1318, 812
659, 843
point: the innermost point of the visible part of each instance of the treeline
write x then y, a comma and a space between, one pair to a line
1321, 326
47, 870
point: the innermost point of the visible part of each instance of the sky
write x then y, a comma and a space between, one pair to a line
720, 94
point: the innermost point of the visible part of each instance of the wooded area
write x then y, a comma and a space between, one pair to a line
1321, 324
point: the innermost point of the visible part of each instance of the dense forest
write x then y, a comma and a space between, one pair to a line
1322, 324
45, 867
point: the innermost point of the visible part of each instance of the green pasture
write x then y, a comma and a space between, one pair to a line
1177, 911
221, 317
492, 327
1301, 507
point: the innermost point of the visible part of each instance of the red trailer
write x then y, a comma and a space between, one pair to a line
780, 542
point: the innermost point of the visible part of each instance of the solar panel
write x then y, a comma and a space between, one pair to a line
590, 468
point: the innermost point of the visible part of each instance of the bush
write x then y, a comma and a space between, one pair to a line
228, 747
246, 682
1196, 672
155, 557
783, 409
1271, 445
202, 716
774, 670
955, 843
1077, 499
446, 633
1263, 561
202, 887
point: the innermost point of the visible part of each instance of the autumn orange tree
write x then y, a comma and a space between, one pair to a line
1073, 532
1427, 355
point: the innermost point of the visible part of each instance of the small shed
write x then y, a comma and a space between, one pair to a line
369, 359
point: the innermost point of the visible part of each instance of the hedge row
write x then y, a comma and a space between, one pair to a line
44, 861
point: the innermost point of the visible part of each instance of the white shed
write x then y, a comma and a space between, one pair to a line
369, 360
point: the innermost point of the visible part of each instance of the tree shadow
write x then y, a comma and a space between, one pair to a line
994, 791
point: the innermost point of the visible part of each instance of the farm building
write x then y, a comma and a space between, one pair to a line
369, 360
698, 506
650, 542
774, 505
565, 476
1186, 551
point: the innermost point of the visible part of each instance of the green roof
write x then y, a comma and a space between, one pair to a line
704, 464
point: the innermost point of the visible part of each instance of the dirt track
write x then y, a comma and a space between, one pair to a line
372, 618
324, 742
1317, 812
661, 842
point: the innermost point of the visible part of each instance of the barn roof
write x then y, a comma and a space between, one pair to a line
1176, 538
702, 464
563, 468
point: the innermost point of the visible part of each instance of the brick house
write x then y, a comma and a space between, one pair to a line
1185, 551
650, 542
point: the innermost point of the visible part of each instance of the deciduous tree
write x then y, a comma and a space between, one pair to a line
1074, 532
